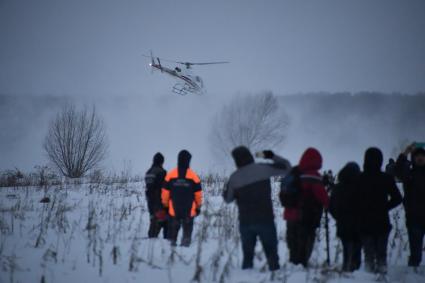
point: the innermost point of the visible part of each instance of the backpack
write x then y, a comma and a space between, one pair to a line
290, 189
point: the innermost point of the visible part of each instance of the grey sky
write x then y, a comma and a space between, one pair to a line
86, 47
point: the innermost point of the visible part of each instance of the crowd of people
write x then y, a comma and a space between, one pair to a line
359, 202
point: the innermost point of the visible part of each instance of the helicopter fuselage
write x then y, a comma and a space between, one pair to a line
194, 83
186, 81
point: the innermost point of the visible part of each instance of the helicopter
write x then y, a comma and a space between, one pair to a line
187, 81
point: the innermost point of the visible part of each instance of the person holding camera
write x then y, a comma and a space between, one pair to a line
250, 187
412, 174
378, 194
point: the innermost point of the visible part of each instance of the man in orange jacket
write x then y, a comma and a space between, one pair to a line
182, 197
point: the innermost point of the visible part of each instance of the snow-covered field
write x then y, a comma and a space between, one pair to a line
97, 233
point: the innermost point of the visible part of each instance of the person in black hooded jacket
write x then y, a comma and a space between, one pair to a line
378, 194
344, 208
250, 187
412, 174
154, 180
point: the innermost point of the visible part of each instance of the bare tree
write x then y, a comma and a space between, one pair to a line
76, 141
255, 121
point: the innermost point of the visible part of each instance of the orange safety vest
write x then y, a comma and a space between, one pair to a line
182, 195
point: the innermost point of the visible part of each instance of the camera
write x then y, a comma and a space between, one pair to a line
259, 154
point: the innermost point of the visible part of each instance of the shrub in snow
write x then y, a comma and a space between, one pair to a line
76, 141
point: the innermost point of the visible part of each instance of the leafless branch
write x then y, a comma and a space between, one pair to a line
76, 141
255, 121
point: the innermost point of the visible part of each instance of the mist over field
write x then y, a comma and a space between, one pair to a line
341, 125
91, 53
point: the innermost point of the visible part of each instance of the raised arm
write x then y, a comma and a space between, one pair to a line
394, 195
402, 168
280, 165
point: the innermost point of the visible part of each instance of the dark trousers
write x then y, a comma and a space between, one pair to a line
155, 227
352, 254
416, 240
268, 239
300, 240
174, 227
375, 252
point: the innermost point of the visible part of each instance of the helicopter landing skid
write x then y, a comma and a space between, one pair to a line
183, 89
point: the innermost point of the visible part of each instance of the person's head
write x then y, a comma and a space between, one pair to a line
158, 159
349, 173
183, 160
373, 159
391, 161
242, 156
311, 160
418, 157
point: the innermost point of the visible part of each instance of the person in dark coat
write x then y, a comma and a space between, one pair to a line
412, 174
344, 208
154, 180
378, 195
303, 219
250, 187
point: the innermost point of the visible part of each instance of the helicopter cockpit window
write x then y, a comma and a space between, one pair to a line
178, 69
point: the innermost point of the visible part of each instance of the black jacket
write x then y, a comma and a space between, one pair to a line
250, 186
154, 180
378, 195
344, 202
413, 178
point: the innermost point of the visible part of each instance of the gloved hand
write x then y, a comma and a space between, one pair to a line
198, 211
268, 154
161, 215
409, 149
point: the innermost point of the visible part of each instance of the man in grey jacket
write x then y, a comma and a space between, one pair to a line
250, 187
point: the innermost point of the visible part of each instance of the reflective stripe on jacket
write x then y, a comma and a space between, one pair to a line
182, 196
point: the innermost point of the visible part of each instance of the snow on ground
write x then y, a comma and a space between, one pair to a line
97, 233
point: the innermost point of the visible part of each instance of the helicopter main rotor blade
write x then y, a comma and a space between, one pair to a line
205, 63
188, 64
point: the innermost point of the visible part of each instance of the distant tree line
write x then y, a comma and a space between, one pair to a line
345, 117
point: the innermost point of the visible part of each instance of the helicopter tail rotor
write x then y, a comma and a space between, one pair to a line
159, 63
152, 61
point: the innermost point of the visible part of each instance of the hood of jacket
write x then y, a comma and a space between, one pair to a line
158, 159
183, 162
242, 156
311, 160
349, 173
373, 159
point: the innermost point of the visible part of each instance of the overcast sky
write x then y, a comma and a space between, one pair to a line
91, 50
84, 47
